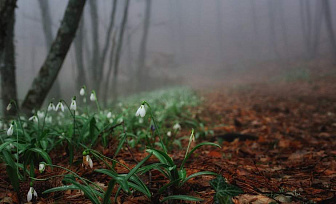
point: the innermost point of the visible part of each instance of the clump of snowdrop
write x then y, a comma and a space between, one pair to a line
141, 111
73, 105
60, 106
31, 194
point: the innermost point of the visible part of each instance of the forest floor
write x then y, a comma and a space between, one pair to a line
278, 142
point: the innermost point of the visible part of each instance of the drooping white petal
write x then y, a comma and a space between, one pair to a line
177, 126
9, 106
109, 115
82, 91
33, 118
30, 194
141, 111
73, 105
51, 107
41, 167
93, 97
10, 130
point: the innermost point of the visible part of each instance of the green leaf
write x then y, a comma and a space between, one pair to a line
224, 191
44, 154
61, 188
199, 174
108, 192
163, 157
195, 148
181, 197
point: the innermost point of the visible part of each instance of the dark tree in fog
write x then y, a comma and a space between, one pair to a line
7, 56
143, 47
95, 44
48, 36
53, 63
316, 30
118, 51
78, 42
329, 24
108, 38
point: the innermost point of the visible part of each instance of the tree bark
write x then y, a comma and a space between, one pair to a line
53, 63
95, 44
7, 8
48, 36
8, 77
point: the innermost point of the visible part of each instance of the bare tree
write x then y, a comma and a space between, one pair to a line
53, 63
118, 51
7, 8
7, 57
95, 44
329, 24
48, 36
143, 46
78, 42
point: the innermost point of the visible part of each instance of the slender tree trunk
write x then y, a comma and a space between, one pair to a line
141, 79
283, 28
95, 44
271, 14
79, 40
8, 77
118, 53
53, 63
317, 30
110, 66
107, 45
7, 8
329, 25
255, 29
48, 36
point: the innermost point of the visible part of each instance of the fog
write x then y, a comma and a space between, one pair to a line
187, 40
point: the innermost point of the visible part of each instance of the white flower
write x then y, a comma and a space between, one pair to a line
73, 105
40, 114
177, 126
93, 96
141, 120
41, 167
141, 111
60, 106
88, 161
10, 130
51, 107
82, 91
109, 115
9, 106
111, 121
33, 118
48, 119
169, 133
31, 193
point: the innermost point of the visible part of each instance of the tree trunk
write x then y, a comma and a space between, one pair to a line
143, 48
118, 53
107, 46
53, 63
95, 44
271, 16
55, 92
81, 78
329, 25
8, 78
7, 8
317, 29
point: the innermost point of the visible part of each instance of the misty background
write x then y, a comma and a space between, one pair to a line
186, 40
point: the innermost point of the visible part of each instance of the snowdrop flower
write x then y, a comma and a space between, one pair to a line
73, 105
41, 167
177, 126
109, 115
169, 133
82, 91
33, 118
48, 119
60, 106
111, 121
40, 114
141, 120
93, 96
141, 111
9, 106
51, 107
10, 130
31, 194
87, 161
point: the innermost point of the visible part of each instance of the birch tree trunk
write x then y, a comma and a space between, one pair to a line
53, 63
